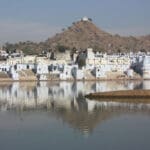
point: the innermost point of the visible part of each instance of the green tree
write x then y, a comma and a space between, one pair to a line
81, 62
61, 48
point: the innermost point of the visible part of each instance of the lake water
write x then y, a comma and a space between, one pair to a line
55, 115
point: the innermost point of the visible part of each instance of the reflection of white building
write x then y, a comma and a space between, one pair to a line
33, 95
146, 84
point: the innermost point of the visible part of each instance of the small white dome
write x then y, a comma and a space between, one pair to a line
85, 19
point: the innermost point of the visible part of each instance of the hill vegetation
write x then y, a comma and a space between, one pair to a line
81, 35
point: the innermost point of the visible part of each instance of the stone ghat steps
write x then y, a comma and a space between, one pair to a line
27, 75
52, 76
4, 75
88, 75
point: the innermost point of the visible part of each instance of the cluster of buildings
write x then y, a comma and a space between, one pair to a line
98, 66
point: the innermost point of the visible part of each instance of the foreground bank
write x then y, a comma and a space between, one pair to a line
122, 96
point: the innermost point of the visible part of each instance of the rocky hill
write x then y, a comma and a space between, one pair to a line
84, 34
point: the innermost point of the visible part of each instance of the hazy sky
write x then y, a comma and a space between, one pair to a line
36, 20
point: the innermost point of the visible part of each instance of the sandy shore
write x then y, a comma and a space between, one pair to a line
35, 79
122, 96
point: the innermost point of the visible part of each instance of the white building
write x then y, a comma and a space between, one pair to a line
3, 53
99, 72
66, 73
20, 67
13, 73
78, 74
85, 19
4, 67
146, 67
42, 69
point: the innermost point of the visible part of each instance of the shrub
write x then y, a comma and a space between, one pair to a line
61, 48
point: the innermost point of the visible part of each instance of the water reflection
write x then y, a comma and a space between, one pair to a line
45, 94
65, 100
